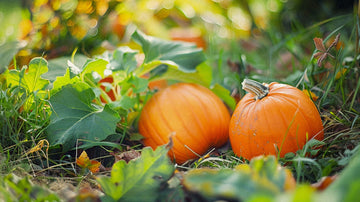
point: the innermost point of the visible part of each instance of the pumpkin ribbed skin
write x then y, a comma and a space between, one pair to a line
195, 116
284, 118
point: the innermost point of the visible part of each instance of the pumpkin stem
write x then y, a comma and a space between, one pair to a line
258, 89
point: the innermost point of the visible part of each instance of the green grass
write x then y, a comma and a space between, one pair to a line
23, 119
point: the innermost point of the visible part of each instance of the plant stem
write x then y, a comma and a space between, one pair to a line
258, 89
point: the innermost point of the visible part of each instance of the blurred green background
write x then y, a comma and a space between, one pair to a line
53, 28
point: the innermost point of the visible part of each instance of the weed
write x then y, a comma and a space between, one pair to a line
23, 118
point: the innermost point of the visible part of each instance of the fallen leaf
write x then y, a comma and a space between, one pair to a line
127, 155
84, 162
311, 95
141, 179
324, 182
39, 146
87, 193
95, 166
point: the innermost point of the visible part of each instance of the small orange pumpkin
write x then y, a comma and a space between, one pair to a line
273, 116
155, 84
194, 116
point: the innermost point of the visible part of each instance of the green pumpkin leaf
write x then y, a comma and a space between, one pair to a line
58, 66
17, 188
185, 55
97, 65
224, 94
138, 84
74, 117
123, 58
175, 191
31, 80
63, 81
125, 103
202, 75
302, 192
268, 167
141, 179
225, 184
262, 177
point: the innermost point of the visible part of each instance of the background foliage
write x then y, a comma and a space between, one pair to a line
77, 51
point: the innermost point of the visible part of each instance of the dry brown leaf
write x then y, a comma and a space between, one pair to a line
319, 44
126, 155
39, 146
335, 42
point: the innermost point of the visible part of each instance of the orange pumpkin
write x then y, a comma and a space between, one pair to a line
188, 35
194, 116
155, 84
273, 117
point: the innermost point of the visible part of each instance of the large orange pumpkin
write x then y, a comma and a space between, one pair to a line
194, 116
273, 117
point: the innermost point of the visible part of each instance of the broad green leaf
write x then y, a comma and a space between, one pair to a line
268, 168
7, 52
31, 80
124, 59
224, 94
58, 66
135, 83
125, 103
202, 76
138, 84
302, 193
262, 177
74, 69
105, 143
153, 66
16, 188
74, 117
173, 193
225, 184
186, 55
141, 179
63, 81
97, 65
